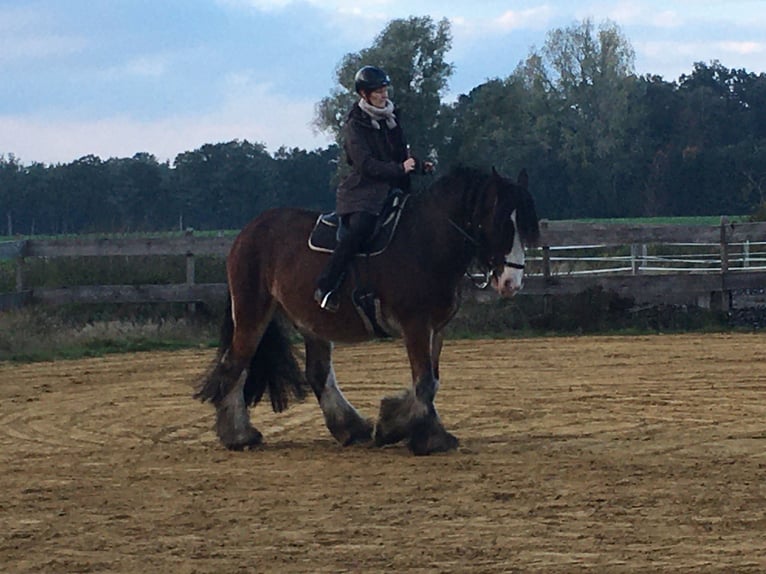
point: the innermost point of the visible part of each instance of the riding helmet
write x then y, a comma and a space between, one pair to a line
370, 78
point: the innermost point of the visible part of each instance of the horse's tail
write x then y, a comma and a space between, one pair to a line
226, 335
211, 387
275, 367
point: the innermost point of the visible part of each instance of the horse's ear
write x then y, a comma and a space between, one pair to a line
523, 179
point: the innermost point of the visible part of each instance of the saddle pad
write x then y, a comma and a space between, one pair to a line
324, 236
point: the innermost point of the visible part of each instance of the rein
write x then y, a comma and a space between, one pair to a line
485, 269
506, 262
463, 232
484, 276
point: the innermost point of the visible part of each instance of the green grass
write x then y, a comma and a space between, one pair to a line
46, 334
679, 220
123, 235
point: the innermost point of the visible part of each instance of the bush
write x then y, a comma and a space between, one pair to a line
592, 311
44, 333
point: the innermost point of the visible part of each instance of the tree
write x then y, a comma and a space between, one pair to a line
585, 78
306, 178
496, 125
141, 195
412, 51
224, 185
10, 194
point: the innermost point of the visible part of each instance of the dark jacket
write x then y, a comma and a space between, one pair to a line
375, 157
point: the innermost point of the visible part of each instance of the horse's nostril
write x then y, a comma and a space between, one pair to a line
509, 286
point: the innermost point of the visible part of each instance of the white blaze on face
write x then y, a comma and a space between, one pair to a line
511, 279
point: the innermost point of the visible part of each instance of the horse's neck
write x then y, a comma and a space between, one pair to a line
439, 219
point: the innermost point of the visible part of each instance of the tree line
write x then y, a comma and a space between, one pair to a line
597, 139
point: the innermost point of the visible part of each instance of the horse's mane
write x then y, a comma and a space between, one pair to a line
459, 182
458, 174
463, 179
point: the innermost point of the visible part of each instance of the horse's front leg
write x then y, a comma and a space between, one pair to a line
412, 414
342, 419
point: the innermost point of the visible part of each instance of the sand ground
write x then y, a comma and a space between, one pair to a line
601, 454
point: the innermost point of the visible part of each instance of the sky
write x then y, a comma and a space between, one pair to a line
114, 78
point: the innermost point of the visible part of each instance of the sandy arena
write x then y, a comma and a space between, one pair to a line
602, 454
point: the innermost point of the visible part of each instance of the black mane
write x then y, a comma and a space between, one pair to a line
469, 180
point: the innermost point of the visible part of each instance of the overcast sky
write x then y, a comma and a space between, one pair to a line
117, 77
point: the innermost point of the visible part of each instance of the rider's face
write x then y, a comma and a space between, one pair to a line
378, 97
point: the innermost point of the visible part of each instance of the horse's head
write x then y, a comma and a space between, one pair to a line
509, 223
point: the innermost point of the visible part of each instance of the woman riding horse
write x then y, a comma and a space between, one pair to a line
379, 158
465, 216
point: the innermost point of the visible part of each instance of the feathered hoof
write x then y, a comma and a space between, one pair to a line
360, 433
397, 414
252, 438
429, 437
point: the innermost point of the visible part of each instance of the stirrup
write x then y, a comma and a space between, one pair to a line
327, 301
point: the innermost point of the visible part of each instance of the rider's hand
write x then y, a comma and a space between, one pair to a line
428, 166
409, 164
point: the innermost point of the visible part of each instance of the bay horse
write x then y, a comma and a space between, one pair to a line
465, 217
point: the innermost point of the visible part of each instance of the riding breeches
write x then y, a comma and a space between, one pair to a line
358, 228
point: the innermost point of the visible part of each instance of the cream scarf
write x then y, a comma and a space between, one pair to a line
377, 114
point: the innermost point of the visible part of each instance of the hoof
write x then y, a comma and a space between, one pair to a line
356, 432
250, 439
348, 426
397, 414
430, 438
388, 436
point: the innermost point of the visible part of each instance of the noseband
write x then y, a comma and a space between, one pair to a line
485, 274
512, 265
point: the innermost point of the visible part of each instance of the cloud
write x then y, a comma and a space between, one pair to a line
339, 5
152, 66
26, 33
475, 27
265, 5
636, 14
249, 112
538, 17
18, 48
672, 58
743, 48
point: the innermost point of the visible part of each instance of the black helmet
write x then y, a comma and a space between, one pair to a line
370, 78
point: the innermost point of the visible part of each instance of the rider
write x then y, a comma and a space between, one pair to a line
380, 160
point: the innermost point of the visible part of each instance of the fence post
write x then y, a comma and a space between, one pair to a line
20, 265
190, 272
637, 257
547, 299
19, 274
725, 294
746, 254
634, 264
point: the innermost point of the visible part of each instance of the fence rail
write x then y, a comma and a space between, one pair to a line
648, 262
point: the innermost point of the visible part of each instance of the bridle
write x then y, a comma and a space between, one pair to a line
485, 274
513, 265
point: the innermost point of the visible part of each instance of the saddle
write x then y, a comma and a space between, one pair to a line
328, 228
324, 238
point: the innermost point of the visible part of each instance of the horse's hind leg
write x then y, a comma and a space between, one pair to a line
224, 384
232, 420
342, 419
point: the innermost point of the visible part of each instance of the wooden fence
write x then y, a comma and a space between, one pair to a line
647, 262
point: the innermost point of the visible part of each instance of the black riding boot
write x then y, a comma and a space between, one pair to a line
358, 228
